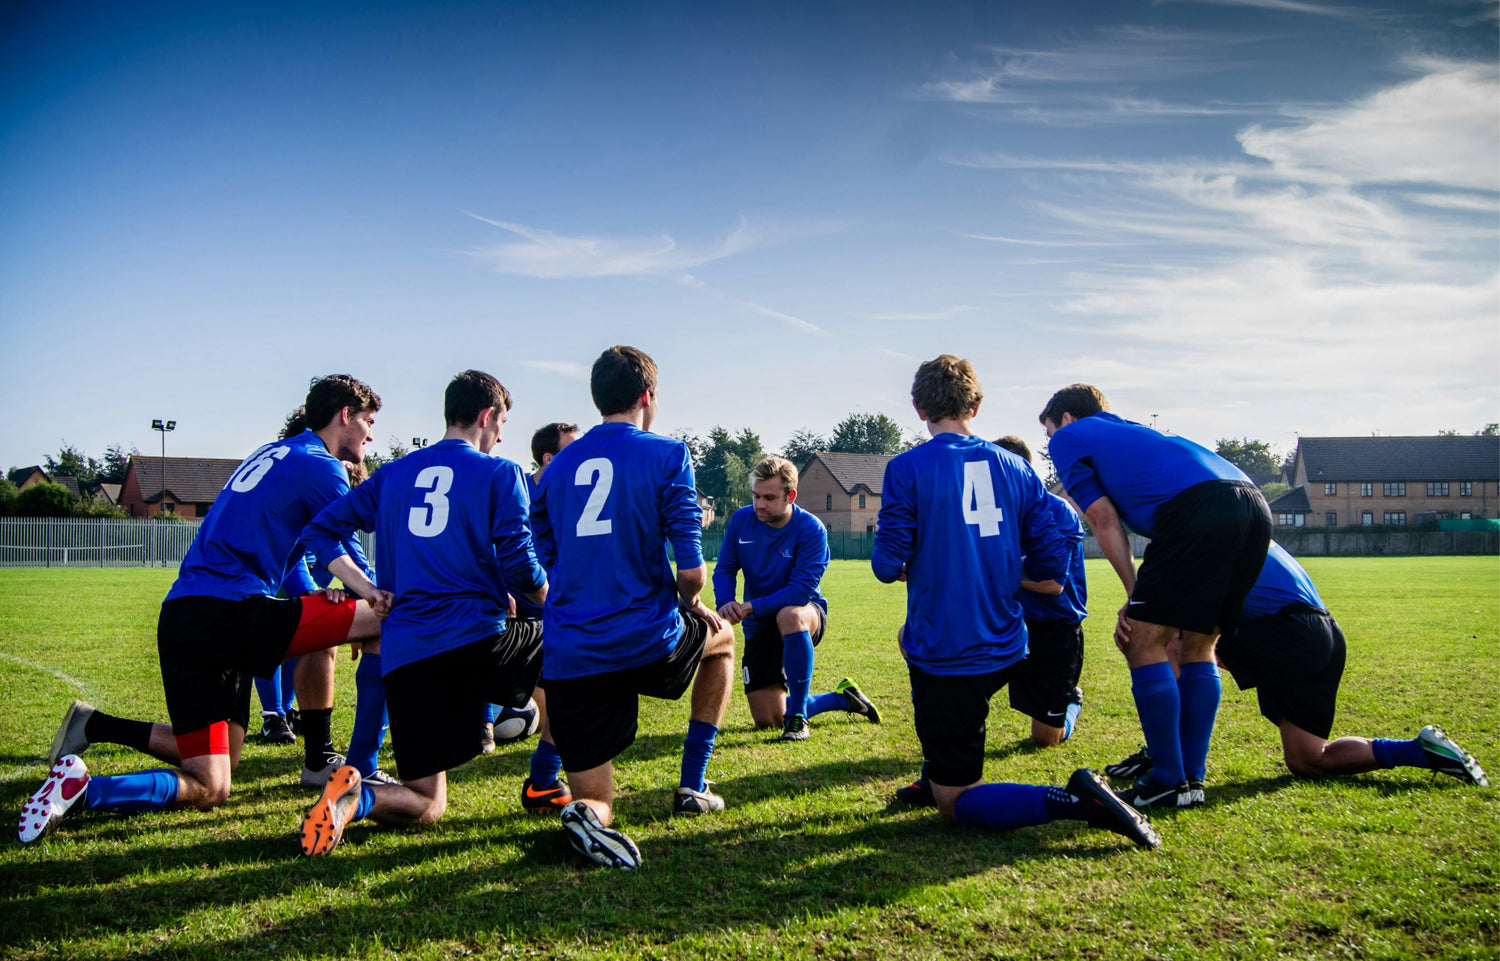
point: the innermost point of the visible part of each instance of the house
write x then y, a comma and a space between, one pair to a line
706, 505
1338, 481
24, 477
187, 486
843, 490
108, 494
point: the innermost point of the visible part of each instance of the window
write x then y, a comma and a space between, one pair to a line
861, 500
828, 504
1395, 517
1465, 488
1437, 488
1367, 489
1331, 519
1289, 519
1331, 488
1466, 516
1395, 488
1367, 518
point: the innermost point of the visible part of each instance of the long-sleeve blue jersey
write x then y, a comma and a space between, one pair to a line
1282, 581
1137, 468
783, 566
1072, 604
250, 538
525, 607
452, 538
958, 513
607, 505
306, 576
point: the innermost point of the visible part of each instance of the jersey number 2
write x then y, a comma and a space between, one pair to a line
979, 498
430, 519
590, 524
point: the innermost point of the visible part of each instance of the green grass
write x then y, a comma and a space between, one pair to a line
811, 859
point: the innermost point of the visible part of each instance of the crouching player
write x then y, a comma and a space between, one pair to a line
221, 624
1289, 648
452, 537
783, 551
956, 517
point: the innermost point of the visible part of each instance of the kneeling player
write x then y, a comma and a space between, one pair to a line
451, 537
956, 517
783, 551
1290, 649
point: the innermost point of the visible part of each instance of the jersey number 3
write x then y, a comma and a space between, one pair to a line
431, 518
979, 498
590, 524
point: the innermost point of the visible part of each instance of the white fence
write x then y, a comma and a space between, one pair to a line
92, 542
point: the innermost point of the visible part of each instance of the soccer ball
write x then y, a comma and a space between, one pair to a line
514, 724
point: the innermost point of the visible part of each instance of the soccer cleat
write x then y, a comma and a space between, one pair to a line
275, 730
487, 738
1136, 765
70, 738
602, 845
690, 802
856, 701
1071, 712
1447, 757
545, 800
1108, 811
323, 827
317, 777
1197, 796
294, 719
64, 787
918, 793
794, 728
1144, 794
380, 778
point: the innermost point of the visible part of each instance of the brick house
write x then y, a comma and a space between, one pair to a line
24, 477
843, 490
191, 485
1341, 481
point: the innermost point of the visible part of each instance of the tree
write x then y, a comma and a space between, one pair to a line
46, 500
726, 457
72, 462
866, 434
1250, 456
116, 463
1274, 490
8, 495
802, 445
695, 445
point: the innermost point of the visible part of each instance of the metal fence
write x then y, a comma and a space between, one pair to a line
92, 542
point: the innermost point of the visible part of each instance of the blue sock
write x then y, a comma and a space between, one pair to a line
697, 748
1000, 807
366, 802
370, 720
491, 711
1199, 690
153, 790
1070, 719
1159, 705
288, 689
824, 703
1389, 753
546, 763
797, 661
268, 689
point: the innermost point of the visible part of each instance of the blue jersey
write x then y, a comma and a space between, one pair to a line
959, 513
782, 566
525, 607
1282, 581
606, 507
1071, 606
250, 538
306, 576
1137, 468
451, 540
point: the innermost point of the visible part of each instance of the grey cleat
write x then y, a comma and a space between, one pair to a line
70, 738
602, 845
1446, 756
688, 801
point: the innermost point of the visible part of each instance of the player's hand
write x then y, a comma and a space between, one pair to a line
510, 605
1122, 628
696, 606
355, 649
335, 595
901, 578
381, 603
732, 612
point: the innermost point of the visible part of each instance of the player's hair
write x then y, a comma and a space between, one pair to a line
469, 393
946, 387
296, 423
1016, 446
357, 473
776, 467
619, 378
547, 439
1080, 400
326, 396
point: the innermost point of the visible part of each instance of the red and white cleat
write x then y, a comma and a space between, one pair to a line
50, 803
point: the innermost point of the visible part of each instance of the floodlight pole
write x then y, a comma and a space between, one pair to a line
162, 427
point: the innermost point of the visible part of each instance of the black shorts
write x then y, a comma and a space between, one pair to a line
593, 718
950, 711
1209, 547
760, 664
437, 705
210, 648
1046, 682
1295, 660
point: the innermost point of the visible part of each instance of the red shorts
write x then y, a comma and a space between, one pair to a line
322, 625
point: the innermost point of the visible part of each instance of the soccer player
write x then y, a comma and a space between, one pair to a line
956, 516
221, 624
452, 540
1289, 648
618, 623
1209, 528
783, 551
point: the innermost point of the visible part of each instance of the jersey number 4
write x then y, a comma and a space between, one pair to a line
590, 524
431, 518
979, 498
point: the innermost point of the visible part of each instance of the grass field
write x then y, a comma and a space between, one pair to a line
811, 859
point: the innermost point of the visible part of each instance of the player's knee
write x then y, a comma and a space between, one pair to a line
789, 620
214, 795
1045, 735
1304, 767
434, 810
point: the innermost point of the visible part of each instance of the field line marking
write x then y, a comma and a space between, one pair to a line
30, 770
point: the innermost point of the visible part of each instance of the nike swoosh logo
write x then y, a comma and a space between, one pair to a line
1134, 603
747, 542
1056, 713
534, 793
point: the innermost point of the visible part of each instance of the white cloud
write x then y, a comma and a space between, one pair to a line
564, 368
1285, 6
542, 253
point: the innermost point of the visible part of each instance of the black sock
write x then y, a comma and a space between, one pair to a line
104, 728
317, 739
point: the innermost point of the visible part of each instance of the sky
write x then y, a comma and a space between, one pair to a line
1256, 218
